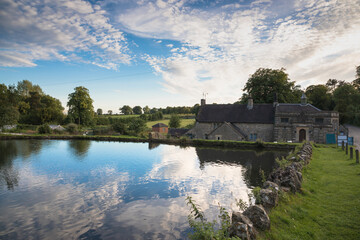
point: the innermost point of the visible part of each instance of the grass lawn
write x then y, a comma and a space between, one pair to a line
328, 208
183, 122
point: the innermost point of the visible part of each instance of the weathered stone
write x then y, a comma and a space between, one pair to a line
287, 177
269, 198
240, 230
297, 166
258, 217
238, 217
271, 185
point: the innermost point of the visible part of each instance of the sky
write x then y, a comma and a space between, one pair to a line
169, 53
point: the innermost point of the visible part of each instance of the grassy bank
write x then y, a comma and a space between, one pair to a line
328, 208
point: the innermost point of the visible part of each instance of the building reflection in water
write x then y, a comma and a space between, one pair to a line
117, 190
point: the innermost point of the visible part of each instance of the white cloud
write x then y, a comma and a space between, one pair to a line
314, 41
45, 30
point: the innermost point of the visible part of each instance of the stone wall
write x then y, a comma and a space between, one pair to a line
246, 224
264, 132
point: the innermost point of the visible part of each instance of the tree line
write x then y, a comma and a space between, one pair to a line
138, 110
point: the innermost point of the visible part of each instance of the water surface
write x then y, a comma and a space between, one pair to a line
111, 190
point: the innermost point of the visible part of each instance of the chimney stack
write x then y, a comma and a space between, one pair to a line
250, 103
203, 102
303, 99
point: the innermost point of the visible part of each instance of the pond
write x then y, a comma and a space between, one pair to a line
56, 189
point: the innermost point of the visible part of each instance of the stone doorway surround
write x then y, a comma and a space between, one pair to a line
306, 129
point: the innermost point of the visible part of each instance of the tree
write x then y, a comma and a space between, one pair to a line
80, 106
137, 126
356, 82
99, 111
265, 82
137, 110
9, 113
25, 87
174, 121
51, 110
110, 112
126, 110
146, 110
319, 96
344, 96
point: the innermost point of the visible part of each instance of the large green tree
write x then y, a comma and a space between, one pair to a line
25, 87
265, 82
9, 113
81, 110
137, 110
347, 99
126, 110
319, 96
356, 82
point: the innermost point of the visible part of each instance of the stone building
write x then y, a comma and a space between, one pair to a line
280, 122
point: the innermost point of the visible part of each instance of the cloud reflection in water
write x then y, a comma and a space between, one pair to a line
117, 190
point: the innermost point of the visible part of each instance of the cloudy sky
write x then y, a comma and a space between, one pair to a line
170, 52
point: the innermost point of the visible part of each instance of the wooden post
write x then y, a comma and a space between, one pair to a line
351, 153
357, 156
342, 145
347, 148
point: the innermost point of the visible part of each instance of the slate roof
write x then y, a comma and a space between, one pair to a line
296, 108
158, 125
233, 127
236, 113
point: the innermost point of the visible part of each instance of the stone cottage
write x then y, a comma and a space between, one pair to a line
280, 122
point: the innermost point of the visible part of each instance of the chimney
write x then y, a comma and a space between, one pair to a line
303, 99
250, 103
203, 102
275, 100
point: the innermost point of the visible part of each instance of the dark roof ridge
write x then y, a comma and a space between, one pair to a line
299, 104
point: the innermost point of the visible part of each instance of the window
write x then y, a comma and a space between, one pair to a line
284, 120
253, 136
319, 120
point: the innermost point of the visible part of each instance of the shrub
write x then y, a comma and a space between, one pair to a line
72, 128
44, 129
120, 127
174, 121
202, 229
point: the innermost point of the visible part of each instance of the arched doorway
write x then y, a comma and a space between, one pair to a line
302, 135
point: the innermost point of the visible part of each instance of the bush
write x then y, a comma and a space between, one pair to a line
44, 129
72, 128
120, 127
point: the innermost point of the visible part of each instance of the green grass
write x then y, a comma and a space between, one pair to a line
328, 208
183, 122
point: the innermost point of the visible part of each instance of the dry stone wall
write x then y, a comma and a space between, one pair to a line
289, 178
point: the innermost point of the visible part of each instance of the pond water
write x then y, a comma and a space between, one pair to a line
112, 190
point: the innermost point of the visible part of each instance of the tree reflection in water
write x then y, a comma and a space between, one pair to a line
253, 161
80, 147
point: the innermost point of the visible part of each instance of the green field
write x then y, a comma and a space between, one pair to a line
328, 208
183, 122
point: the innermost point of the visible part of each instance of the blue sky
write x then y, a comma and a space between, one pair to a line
167, 53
